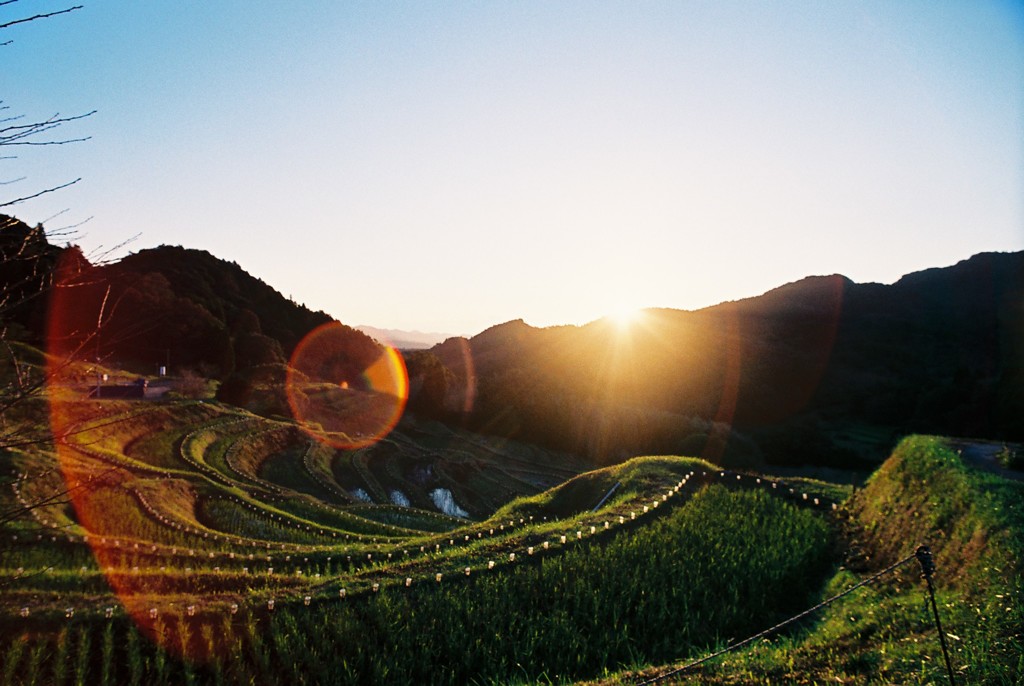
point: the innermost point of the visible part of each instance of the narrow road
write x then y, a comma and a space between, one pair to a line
982, 454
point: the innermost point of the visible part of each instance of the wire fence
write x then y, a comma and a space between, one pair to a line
781, 488
204, 551
922, 555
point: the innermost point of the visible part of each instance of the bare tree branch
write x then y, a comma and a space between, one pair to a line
18, 134
40, 16
15, 135
55, 120
71, 227
102, 255
31, 278
54, 216
36, 195
60, 142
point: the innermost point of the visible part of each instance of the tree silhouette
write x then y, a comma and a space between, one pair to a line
26, 266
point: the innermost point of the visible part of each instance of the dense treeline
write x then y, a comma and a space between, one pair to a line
165, 306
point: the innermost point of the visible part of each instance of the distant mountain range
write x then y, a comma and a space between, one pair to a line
404, 340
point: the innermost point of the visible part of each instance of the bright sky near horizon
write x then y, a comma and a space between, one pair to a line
447, 166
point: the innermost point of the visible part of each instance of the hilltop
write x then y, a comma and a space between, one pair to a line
182, 309
821, 366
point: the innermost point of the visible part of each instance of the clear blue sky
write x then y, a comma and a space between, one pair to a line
446, 166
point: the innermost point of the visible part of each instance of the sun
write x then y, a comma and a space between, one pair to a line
625, 316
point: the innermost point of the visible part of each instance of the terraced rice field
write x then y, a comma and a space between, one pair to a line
186, 514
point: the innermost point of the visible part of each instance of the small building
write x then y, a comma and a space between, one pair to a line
133, 391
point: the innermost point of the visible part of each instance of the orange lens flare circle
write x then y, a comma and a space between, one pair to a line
343, 393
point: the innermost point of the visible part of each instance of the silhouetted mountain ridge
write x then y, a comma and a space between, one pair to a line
225, 290
772, 376
162, 306
938, 351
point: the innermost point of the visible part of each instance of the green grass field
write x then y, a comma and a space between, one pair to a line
187, 542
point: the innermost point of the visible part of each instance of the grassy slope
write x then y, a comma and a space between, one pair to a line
883, 634
669, 584
588, 610
974, 524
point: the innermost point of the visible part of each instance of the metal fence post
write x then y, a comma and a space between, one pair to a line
924, 558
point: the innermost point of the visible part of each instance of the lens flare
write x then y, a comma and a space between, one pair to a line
345, 391
145, 515
84, 423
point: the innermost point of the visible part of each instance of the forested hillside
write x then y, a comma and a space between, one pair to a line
168, 306
820, 366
